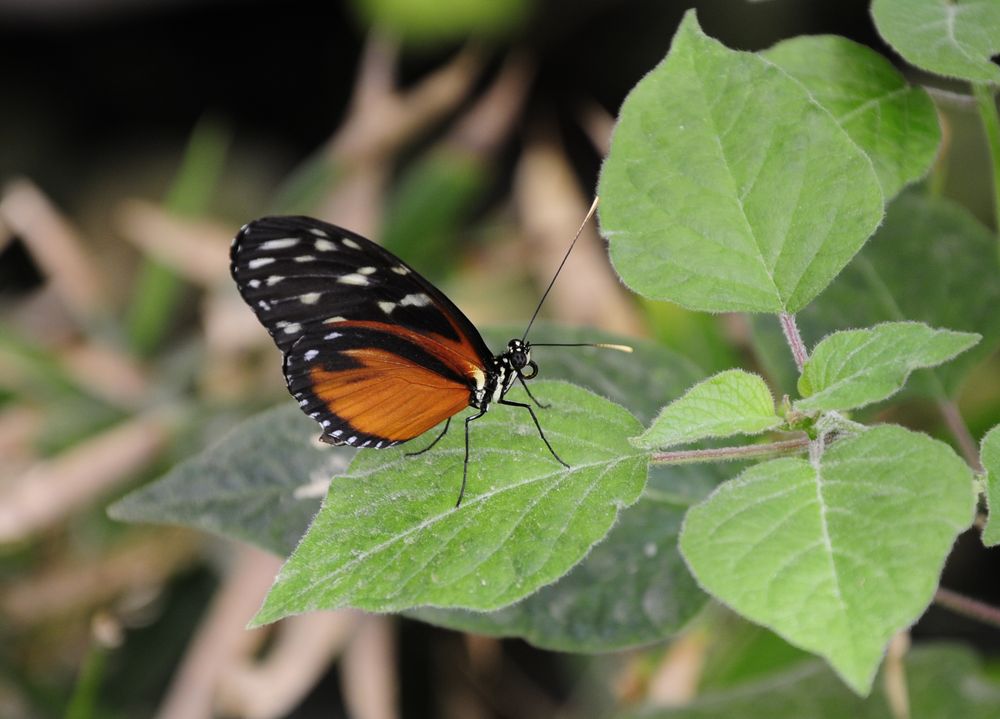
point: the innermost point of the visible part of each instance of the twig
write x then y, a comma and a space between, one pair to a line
296, 661
794, 339
368, 671
675, 681
693, 456
894, 676
967, 606
54, 489
956, 425
222, 637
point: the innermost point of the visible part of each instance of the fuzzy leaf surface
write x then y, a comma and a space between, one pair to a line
857, 367
728, 188
894, 123
803, 549
388, 536
954, 38
731, 402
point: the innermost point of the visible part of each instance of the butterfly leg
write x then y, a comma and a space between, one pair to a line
525, 385
538, 426
465, 465
436, 440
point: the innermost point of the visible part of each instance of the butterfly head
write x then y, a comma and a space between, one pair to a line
518, 354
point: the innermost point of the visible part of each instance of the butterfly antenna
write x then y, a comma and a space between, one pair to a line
599, 345
590, 213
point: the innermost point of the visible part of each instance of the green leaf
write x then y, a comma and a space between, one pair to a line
262, 483
854, 368
728, 188
942, 682
731, 402
429, 202
436, 21
388, 536
989, 455
894, 123
930, 261
632, 589
954, 38
839, 555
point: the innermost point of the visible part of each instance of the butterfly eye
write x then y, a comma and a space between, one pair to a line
518, 359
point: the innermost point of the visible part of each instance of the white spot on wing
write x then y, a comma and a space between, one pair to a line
273, 280
416, 300
318, 232
254, 283
366, 271
353, 279
401, 270
259, 262
351, 439
309, 298
334, 320
348, 242
336, 433
283, 243
305, 258
387, 307
264, 305
332, 336
292, 328
310, 355
324, 245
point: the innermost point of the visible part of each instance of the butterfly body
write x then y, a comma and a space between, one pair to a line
374, 352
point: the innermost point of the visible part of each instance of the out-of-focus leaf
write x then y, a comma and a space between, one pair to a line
728, 188
950, 38
428, 204
430, 21
894, 123
262, 483
389, 537
801, 546
942, 682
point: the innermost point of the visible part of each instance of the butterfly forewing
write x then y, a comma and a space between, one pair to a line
373, 351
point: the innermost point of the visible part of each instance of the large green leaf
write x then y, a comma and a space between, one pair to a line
261, 484
955, 38
894, 123
942, 683
930, 261
857, 367
728, 188
731, 402
633, 587
989, 455
388, 536
836, 554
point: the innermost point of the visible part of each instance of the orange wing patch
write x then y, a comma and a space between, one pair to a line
388, 396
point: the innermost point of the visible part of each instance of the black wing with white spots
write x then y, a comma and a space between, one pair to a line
298, 273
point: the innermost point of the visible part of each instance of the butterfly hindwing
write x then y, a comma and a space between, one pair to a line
372, 351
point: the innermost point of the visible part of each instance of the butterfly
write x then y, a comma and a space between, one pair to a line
373, 351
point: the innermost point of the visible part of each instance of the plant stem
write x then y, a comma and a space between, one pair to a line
752, 451
794, 339
956, 425
967, 606
991, 126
